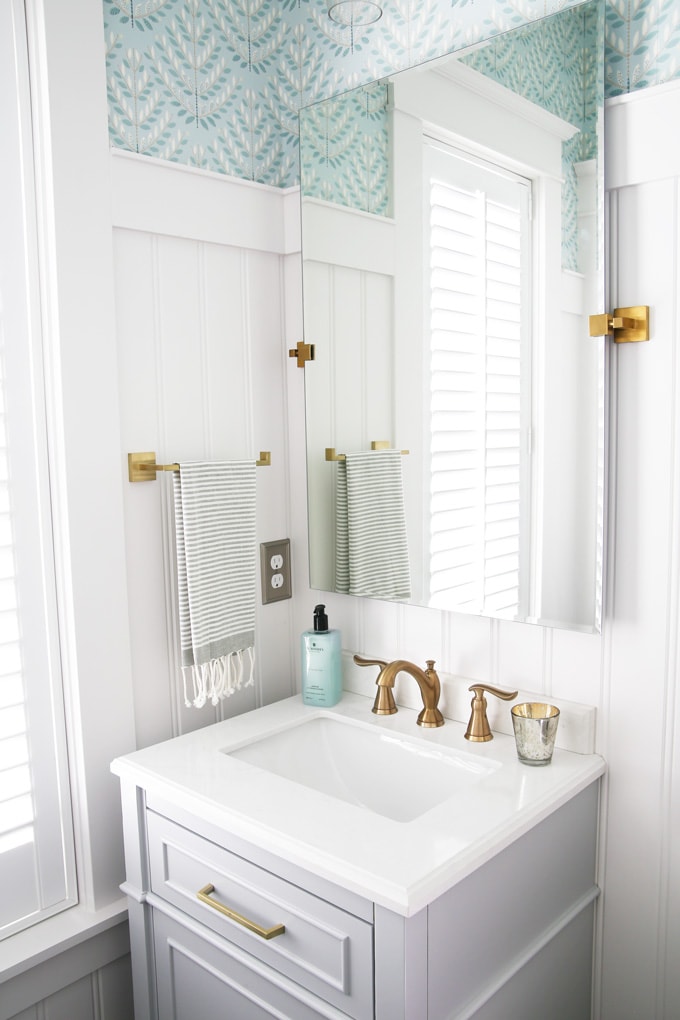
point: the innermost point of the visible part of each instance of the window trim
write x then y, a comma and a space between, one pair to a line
86, 464
50, 855
87, 471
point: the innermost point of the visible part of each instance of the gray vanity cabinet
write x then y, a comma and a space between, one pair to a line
512, 941
323, 950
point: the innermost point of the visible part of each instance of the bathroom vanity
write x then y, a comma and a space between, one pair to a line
283, 864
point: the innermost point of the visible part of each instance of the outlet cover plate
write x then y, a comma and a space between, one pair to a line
275, 570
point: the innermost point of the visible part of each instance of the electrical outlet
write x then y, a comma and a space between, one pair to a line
275, 570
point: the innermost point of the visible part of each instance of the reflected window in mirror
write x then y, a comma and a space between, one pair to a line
478, 241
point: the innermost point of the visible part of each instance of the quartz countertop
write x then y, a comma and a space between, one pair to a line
400, 865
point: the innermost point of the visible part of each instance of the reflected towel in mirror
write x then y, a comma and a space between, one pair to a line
216, 551
371, 553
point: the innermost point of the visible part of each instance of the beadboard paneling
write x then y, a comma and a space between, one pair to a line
92, 981
199, 311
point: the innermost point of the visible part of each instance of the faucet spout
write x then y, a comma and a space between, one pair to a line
427, 681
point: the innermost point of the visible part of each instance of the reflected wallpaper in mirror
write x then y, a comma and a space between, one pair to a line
452, 252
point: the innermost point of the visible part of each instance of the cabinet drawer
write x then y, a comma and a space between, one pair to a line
201, 979
323, 948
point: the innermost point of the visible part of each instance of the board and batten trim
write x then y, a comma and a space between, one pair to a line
157, 197
636, 151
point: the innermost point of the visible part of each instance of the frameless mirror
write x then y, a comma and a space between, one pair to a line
452, 242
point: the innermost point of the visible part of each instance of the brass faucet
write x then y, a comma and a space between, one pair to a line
427, 681
478, 729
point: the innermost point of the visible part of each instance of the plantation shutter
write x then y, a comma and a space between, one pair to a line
478, 241
37, 871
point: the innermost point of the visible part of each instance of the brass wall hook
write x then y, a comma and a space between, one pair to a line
626, 325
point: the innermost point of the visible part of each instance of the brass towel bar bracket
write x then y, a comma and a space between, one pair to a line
142, 467
626, 325
377, 444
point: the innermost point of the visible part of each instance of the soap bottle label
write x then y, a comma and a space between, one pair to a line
321, 679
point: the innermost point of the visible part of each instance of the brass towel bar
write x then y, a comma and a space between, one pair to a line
377, 444
142, 467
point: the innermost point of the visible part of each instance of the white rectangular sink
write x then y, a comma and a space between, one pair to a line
389, 774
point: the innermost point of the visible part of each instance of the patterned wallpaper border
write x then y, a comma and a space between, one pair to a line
218, 84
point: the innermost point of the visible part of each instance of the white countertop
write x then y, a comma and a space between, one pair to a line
403, 866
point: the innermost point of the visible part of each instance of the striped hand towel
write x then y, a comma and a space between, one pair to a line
371, 551
216, 572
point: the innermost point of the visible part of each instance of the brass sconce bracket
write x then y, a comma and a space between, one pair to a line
626, 325
303, 352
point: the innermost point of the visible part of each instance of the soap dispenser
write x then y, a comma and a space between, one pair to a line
321, 665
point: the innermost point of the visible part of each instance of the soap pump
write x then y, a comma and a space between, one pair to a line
321, 664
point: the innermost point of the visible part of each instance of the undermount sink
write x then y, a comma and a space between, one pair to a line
388, 774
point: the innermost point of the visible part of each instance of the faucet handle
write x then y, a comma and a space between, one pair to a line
384, 699
478, 727
361, 661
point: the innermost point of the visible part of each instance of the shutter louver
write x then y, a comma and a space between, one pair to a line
476, 291
16, 807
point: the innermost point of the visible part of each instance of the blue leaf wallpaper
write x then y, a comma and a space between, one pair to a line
218, 84
345, 147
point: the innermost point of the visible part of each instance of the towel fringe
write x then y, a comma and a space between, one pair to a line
218, 678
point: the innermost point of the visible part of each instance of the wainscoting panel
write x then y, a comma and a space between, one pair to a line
200, 357
88, 981
105, 994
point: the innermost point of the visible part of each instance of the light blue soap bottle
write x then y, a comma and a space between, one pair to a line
321, 664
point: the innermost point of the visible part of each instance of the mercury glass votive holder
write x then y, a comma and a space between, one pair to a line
535, 727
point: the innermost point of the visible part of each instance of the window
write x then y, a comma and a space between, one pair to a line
478, 239
37, 873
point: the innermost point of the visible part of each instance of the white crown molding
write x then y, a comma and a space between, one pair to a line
478, 84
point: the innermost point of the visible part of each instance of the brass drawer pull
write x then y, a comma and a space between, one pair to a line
264, 933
